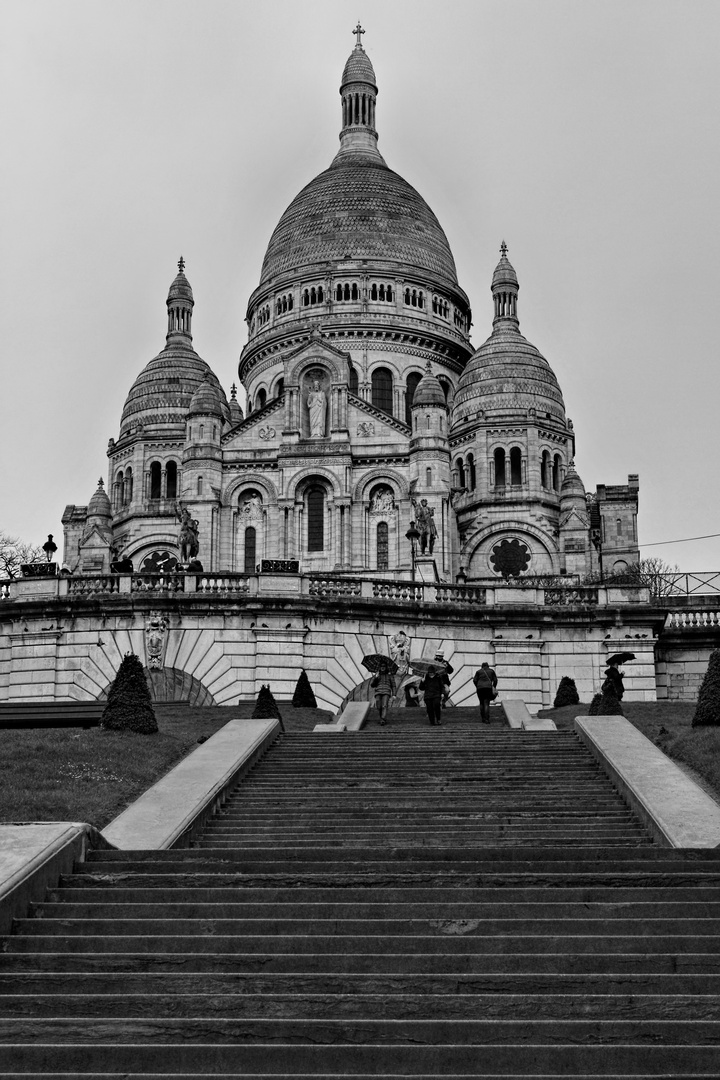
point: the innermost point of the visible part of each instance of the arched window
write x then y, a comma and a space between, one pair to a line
199, 485
471, 476
339, 292
171, 476
382, 395
556, 472
355, 294
118, 489
260, 400
516, 466
618, 527
201, 431
428, 477
346, 292
353, 382
316, 519
445, 388
374, 292
460, 466
499, 458
155, 480
545, 470
127, 486
382, 546
250, 542
407, 297
410, 387
389, 294
279, 387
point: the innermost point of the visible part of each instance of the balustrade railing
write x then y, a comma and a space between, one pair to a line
158, 583
222, 584
6, 589
692, 620
398, 590
460, 594
93, 585
573, 595
334, 586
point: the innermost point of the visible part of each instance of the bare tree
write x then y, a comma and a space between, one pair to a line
656, 574
15, 553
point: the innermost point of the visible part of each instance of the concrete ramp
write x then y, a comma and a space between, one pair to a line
354, 715
517, 716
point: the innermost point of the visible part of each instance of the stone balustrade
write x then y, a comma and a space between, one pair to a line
686, 620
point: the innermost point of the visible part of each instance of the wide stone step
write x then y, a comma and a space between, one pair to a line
386, 1059
272, 961
362, 1006
376, 927
103, 906
448, 943
504, 987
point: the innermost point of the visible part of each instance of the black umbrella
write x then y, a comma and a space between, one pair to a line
620, 657
373, 661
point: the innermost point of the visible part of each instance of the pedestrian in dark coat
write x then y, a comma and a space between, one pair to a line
614, 680
435, 686
384, 686
485, 682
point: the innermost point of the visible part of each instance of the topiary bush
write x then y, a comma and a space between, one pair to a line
566, 693
609, 704
303, 698
266, 706
129, 705
595, 705
708, 703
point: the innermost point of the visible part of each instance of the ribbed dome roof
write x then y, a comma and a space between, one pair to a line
572, 485
163, 390
99, 505
359, 68
507, 373
505, 272
359, 209
180, 289
206, 400
429, 391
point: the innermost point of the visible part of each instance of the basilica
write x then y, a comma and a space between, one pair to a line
377, 440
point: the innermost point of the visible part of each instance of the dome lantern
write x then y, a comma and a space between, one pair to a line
505, 287
180, 304
358, 93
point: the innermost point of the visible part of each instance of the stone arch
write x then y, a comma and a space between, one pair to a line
335, 366
516, 527
250, 479
145, 545
317, 472
171, 685
361, 491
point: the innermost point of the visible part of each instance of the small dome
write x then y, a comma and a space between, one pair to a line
163, 390
572, 485
504, 271
429, 391
236, 413
358, 68
180, 288
205, 401
99, 505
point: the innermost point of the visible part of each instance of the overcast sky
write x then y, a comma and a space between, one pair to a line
583, 133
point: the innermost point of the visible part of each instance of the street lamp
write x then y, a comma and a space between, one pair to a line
413, 535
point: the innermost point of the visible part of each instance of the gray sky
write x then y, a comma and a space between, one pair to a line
584, 133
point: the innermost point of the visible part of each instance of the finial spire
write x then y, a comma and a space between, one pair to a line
233, 391
101, 484
181, 265
358, 31
504, 249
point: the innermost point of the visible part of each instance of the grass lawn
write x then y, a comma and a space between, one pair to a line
68, 774
668, 725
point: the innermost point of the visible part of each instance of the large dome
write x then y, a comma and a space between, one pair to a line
359, 209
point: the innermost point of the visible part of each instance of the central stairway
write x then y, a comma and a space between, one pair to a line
446, 902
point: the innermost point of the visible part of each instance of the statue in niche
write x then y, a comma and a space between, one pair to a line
425, 523
155, 630
382, 501
188, 535
252, 508
317, 408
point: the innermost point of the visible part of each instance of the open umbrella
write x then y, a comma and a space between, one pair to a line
620, 657
421, 667
373, 660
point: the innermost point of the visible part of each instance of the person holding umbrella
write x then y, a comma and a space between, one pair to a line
436, 687
384, 686
613, 676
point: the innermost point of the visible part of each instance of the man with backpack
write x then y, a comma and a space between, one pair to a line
485, 682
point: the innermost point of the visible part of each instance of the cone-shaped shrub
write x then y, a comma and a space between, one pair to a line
595, 705
609, 704
566, 693
708, 704
129, 706
303, 698
266, 706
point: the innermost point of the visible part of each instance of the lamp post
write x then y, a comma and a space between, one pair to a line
413, 535
596, 536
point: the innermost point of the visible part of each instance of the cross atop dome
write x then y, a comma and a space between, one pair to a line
358, 31
181, 265
504, 249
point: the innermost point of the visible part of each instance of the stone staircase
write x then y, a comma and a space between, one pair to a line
457, 901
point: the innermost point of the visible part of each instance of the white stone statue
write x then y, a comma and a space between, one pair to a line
317, 408
382, 501
252, 508
400, 652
